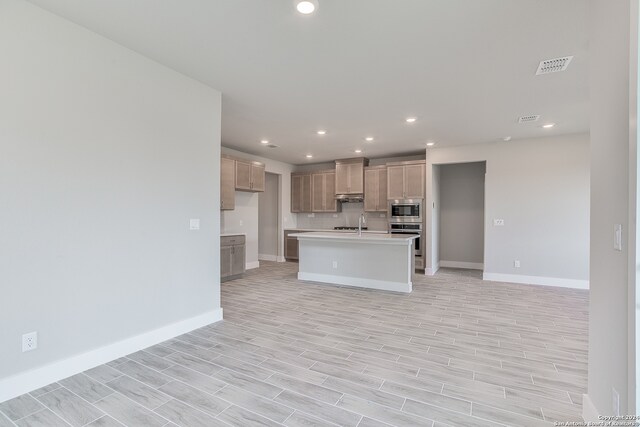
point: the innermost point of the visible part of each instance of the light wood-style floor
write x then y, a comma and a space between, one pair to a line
457, 351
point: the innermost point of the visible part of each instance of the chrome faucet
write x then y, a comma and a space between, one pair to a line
361, 220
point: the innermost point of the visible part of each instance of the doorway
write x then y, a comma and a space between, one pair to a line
461, 215
268, 213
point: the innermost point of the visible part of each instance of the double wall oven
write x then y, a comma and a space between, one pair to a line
405, 217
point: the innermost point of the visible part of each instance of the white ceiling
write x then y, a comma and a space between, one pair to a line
465, 68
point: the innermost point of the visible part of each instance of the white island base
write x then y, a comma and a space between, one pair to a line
376, 261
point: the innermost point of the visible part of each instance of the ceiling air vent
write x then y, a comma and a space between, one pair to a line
553, 65
527, 119
272, 146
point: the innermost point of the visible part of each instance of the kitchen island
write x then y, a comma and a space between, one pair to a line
370, 260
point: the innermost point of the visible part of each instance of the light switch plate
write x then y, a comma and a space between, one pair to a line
617, 237
194, 224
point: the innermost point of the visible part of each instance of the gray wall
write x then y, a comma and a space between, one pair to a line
462, 212
104, 157
540, 187
609, 325
268, 218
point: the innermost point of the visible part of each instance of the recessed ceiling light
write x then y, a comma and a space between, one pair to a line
309, 156
548, 125
506, 138
264, 141
322, 132
430, 144
306, 6
369, 139
358, 151
411, 119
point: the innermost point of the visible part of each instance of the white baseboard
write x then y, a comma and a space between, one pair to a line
252, 265
430, 271
537, 280
356, 282
281, 259
266, 257
589, 411
462, 264
25, 382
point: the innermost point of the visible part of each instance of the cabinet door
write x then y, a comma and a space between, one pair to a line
356, 178
317, 192
382, 191
414, 181
238, 259
395, 182
291, 248
296, 193
371, 190
243, 176
225, 261
306, 193
257, 177
330, 203
227, 184
342, 178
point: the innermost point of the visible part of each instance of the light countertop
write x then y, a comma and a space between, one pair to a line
400, 239
331, 230
232, 234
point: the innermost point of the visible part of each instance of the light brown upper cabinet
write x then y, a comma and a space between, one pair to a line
227, 184
375, 189
301, 192
323, 184
249, 176
350, 175
406, 180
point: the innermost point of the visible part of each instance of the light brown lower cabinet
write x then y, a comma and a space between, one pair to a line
290, 245
232, 257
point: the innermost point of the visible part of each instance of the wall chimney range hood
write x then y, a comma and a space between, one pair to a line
350, 179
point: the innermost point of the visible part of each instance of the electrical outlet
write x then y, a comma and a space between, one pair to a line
516, 263
335, 215
335, 264
615, 402
241, 223
194, 224
311, 215
382, 215
498, 222
29, 341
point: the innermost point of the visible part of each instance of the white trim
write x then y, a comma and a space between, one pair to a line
589, 411
537, 280
281, 259
27, 381
267, 257
462, 264
252, 265
356, 282
430, 271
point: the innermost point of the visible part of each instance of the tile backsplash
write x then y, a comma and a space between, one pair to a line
347, 217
